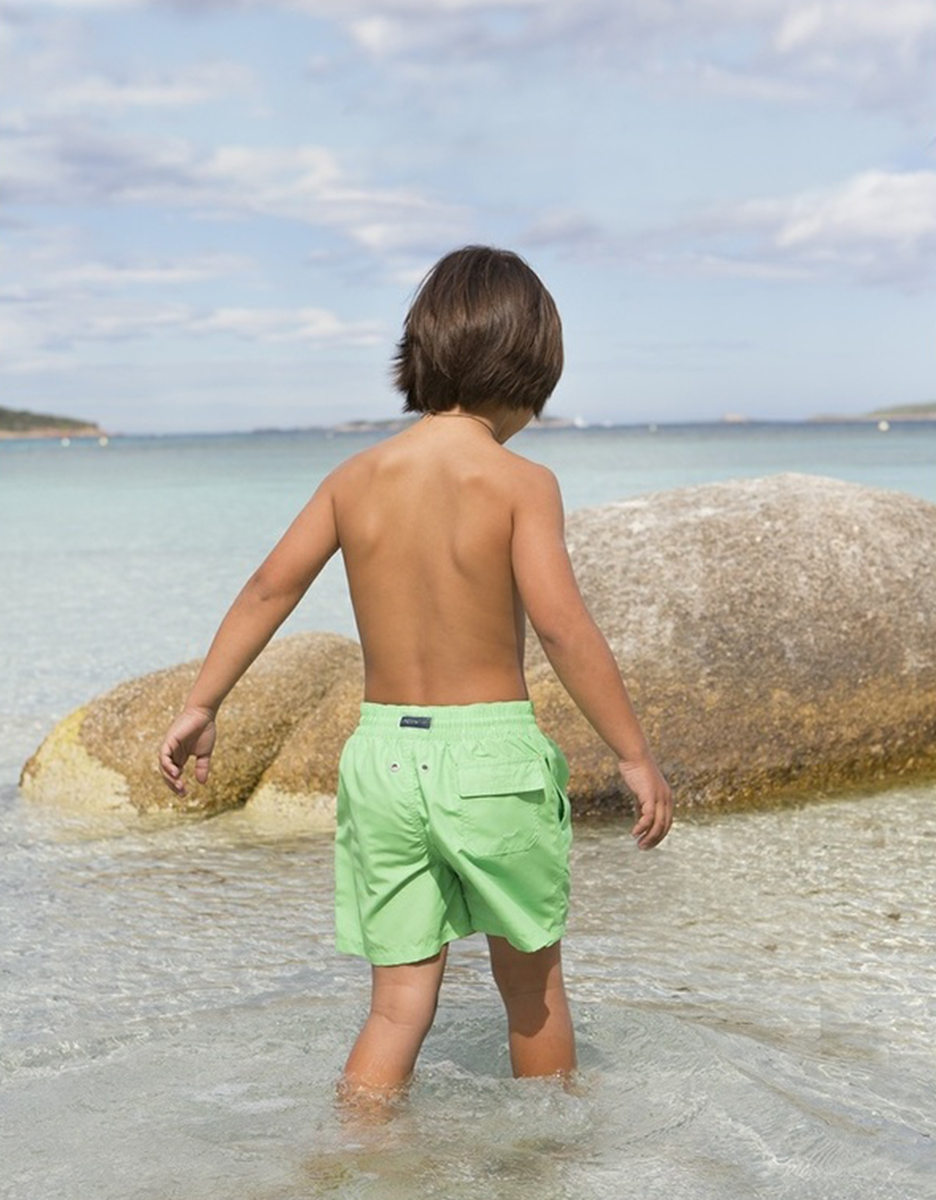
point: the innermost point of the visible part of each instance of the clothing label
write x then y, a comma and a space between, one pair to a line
415, 722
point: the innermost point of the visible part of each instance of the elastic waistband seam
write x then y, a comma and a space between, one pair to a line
449, 718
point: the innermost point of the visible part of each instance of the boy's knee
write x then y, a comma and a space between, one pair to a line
406, 1006
411, 1021
521, 973
406, 1003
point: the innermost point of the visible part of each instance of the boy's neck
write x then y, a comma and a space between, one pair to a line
501, 423
469, 416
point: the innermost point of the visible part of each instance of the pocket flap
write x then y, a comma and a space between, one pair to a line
499, 778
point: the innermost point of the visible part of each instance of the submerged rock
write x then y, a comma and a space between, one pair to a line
778, 635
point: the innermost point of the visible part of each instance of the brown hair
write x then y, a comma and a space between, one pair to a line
482, 330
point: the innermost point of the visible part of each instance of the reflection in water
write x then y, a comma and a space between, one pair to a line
753, 1000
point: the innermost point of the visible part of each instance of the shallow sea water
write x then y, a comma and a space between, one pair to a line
754, 999
754, 1004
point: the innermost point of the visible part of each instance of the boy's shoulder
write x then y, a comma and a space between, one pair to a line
529, 475
354, 465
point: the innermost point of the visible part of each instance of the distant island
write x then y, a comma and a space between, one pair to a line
899, 412
18, 423
906, 412
395, 424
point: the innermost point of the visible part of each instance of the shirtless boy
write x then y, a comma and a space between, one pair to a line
452, 814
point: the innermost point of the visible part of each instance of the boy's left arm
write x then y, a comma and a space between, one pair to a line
264, 603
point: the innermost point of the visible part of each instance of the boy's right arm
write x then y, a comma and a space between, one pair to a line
578, 651
266, 600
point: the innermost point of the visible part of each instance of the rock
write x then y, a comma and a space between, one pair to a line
778, 636
302, 780
103, 756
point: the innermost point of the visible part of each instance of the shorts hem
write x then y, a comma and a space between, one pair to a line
530, 945
412, 954
401, 957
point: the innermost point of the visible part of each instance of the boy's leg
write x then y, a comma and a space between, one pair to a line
403, 1005
542, 1040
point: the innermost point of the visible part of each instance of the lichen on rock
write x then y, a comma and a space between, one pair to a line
117, 736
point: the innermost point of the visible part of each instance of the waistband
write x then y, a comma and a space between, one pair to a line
445, 719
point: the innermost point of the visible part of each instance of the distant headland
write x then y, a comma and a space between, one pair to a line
395, 424
880, 416
18, 423
899, 412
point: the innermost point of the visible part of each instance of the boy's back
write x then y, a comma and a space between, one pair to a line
424, 521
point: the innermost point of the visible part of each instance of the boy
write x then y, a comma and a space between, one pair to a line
452, 816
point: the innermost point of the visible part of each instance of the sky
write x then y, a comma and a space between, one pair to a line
215, 212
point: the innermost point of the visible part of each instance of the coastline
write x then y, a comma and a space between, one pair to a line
391, 425
84, 432
905, 418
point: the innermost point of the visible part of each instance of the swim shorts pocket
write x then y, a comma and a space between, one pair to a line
557, 773
500, 805
564, 807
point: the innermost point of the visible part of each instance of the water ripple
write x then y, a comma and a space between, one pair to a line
754, 1005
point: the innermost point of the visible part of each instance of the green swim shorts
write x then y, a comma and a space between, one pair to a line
451, 820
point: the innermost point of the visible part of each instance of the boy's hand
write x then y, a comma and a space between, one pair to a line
191, 733
655, 799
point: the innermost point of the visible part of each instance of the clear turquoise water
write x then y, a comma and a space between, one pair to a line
754, 999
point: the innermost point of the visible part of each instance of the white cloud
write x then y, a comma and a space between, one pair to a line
51, 68
748, 84
835, 23
378, 35
45, 335
54, 260
56, 302
188, 87
60, 164
877, 227
198, 269
885, 54
288, 325
778, 51
106, 5
875, 206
